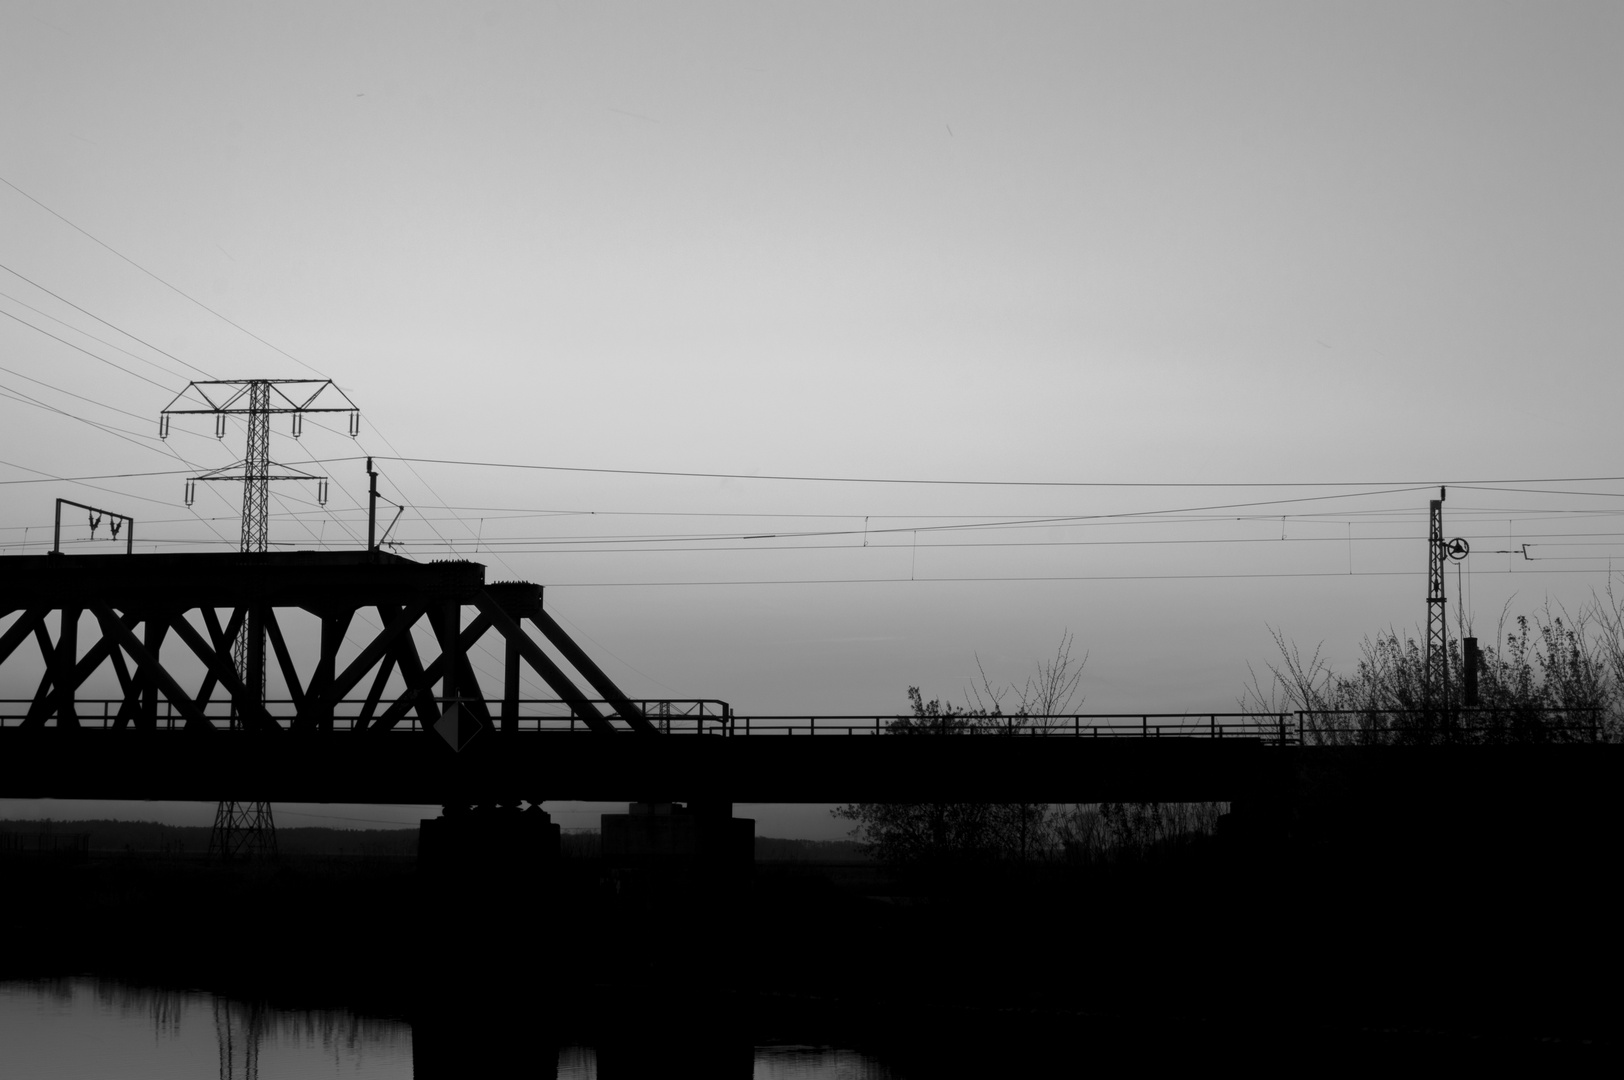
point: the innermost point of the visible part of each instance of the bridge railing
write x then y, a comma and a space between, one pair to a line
711, 717
1278, 728
1316, 727
672, 716
1488, 726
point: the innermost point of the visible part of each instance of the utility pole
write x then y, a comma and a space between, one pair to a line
239, 827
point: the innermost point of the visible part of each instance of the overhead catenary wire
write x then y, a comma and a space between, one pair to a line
100, 359
1398, 484
970, 579
627, 543
104, 322
212, 311
85, 333
166, 284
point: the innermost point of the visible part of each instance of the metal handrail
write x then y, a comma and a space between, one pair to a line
1070, 725
711, 717
681, 716
1456, 725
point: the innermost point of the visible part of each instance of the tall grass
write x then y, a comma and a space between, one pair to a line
1553, 676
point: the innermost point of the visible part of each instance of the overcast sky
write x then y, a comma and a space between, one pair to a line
1122, 244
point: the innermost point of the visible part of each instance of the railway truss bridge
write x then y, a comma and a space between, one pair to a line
136, 696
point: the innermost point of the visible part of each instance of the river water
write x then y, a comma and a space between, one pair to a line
97, 1029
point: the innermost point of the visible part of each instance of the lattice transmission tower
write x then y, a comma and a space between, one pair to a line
247, 828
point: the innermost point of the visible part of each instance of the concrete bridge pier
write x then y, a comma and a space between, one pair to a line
490, 843
670, 836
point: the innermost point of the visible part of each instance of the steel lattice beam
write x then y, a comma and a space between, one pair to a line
137, 602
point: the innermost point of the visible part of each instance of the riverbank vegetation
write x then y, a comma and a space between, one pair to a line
933, 838
1550, 676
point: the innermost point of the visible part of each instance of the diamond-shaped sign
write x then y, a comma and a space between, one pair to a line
457, 726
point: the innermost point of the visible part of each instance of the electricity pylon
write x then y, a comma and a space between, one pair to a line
247, 828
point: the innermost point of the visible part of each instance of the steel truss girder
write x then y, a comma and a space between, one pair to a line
138, 601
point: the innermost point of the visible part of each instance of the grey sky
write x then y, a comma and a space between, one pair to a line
1075, 242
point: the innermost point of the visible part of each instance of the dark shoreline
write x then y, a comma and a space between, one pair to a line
1211, 952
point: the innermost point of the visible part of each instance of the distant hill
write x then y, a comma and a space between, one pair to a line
773, 849
150, 836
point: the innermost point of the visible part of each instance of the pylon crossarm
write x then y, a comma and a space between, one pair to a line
238, 388
233, 473
247, 702
148, 665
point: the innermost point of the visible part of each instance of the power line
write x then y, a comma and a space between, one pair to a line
47, 478
174, 288
118, 433
109, 325
976, 545
1404, 485
87, 352
205, 307
71, 394
1033, 578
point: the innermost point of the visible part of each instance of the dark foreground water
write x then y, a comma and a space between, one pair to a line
98, 1029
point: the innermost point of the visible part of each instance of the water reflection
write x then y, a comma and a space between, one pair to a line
97, 1027
75, 1028
822, 1063
762, 1063
239, 1029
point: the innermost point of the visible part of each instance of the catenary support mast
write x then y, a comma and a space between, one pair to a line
1437, 659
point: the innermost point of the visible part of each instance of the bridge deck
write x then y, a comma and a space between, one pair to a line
418, 767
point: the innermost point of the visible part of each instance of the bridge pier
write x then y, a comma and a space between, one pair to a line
487, 844
670, 835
